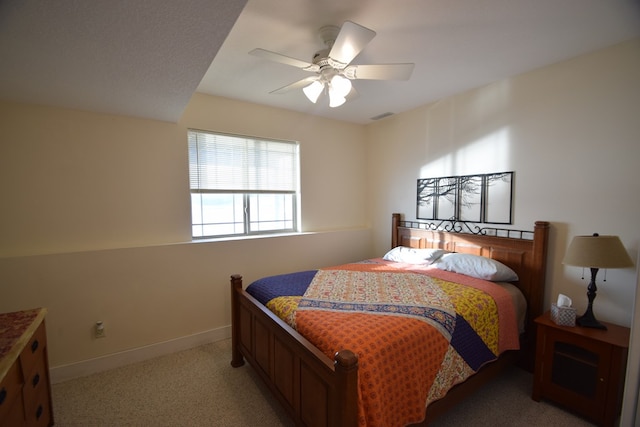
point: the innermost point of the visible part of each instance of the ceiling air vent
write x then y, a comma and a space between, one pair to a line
381, 116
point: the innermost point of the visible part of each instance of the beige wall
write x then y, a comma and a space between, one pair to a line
96, 220
571, 133
76, 181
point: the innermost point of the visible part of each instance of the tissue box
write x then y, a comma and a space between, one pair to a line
564, 316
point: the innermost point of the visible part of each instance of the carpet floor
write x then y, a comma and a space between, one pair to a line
199, 388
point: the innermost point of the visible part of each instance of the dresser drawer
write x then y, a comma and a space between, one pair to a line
34, 350
38, 411
14, 417
34, 383
10, 389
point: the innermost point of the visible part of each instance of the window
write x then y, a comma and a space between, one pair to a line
242, 185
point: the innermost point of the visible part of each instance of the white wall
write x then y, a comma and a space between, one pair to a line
631, 405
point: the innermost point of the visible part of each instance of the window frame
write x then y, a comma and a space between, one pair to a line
250, 225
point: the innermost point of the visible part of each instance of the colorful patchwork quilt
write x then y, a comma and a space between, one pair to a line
417, 331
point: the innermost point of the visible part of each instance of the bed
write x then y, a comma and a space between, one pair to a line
320, 387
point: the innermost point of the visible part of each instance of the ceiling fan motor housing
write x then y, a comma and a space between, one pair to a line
328, 35
326, 69
321, 58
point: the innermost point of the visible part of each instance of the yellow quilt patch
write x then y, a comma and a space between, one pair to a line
285, 308
478, 309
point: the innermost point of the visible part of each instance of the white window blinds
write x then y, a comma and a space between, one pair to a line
235, 163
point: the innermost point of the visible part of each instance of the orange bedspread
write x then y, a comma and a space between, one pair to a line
416, 332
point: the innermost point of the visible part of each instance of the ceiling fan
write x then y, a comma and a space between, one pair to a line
332, 65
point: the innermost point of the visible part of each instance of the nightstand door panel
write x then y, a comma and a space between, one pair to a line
576, 372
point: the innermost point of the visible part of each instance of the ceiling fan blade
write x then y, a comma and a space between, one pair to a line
353, 94
283, 59
349, 43
296, 85
379, 72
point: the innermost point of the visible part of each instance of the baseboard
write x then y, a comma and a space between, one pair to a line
115, 360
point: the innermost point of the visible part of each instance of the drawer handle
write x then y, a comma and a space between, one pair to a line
39, 412
35, 380
3, 395
34, 346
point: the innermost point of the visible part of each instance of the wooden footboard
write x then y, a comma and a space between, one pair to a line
315, 390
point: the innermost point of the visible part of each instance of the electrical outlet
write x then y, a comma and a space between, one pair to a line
99, 330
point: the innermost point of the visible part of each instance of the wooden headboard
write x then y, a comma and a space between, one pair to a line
524, 251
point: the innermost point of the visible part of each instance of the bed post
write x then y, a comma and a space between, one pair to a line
540, 243
346, 368
536, 294
395, 223
236, 286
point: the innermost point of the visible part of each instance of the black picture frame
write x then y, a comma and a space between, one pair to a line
483, 198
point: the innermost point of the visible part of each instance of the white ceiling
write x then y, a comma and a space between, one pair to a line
146, 57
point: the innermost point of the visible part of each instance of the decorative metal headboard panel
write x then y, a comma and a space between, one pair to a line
465, 227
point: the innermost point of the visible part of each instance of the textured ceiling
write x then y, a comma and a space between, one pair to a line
134, 57
146, 58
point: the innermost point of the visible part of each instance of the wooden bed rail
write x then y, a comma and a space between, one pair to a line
315, 390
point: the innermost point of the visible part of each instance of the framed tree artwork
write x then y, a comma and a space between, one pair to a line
485, 198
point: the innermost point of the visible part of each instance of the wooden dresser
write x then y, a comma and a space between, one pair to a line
25, 388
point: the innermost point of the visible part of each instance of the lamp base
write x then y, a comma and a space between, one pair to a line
589, 321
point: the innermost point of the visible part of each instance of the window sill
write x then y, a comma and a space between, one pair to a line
250, 237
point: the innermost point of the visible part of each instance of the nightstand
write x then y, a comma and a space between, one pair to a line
581, 369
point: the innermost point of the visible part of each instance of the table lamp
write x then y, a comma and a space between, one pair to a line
595, 252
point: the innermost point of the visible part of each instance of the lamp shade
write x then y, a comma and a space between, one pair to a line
597, 252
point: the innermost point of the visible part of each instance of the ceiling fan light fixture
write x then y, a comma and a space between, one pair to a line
336, 100
340, 86
313, 91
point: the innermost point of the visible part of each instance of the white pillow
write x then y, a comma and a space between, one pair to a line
476, 266
413, 255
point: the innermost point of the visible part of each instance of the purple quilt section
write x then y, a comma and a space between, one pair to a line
469, 345
294, 284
